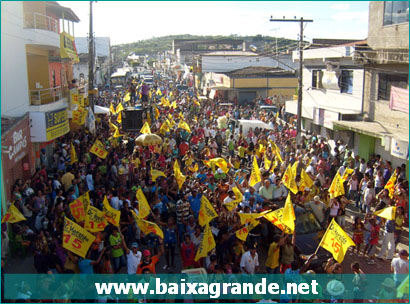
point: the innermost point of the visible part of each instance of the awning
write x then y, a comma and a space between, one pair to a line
101, 110
373, 129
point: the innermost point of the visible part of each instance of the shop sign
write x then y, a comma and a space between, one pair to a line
399, 149
56, 124
17, 150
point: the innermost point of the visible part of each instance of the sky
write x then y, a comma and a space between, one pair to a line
131, 21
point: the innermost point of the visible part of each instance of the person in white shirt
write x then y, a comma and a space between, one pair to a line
321, 176
250, 261
400, 265
133, 257
115, 201
318, 208
280, 192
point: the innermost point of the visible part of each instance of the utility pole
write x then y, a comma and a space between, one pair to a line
91, 61
301, 22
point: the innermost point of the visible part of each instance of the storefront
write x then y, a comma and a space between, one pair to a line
17, 159
45, 127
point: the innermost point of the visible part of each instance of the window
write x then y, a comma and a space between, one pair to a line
395, 12
346, 82
386, 81
317, 76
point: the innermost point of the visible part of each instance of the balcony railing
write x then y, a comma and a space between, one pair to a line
45, 96
41, 22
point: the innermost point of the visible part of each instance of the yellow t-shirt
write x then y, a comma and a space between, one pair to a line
137, 162
241, 152
272, 260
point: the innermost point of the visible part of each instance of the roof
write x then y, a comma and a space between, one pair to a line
230, 53
374, 129
102, 46
60, 10
324, 42
259, 71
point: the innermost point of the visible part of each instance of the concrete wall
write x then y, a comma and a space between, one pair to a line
14, 82
385, 37
378, 110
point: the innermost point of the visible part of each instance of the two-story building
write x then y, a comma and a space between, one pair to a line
36, 71
384, 129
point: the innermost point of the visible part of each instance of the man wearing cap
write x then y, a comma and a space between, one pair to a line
133, 256
318, 208
148, 261
250, 260
400, 265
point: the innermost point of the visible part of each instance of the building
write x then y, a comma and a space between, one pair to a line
332, 89
103, 60
384, 127
36, 72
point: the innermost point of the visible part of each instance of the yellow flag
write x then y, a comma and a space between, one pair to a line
164, 102
242, 233
178, 175
276, 150
112, 110
196, 102
116, 132
194, 168
289, 180
238, 195
156, 173
276, 218
76, 239
164, 128
347, 173
183, 125
99, 149
277, 115
207, 243
295, 168
13, 215
305, 180
143, 207
156, 113
127, 97
73, 154
181, 115
336, 241
388, 213
221, 163
336, 188
85, 198
77, 210
174, 104
119, 118
147, 227
112, 215
95, 220
289, 214
158, 92
390, 184
255, 174
248, 217
145, 129
267, 163
207, 212
119, 108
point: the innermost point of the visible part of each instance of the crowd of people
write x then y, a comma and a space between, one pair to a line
44, 199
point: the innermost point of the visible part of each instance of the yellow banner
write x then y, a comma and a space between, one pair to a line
206, 212
56, 124
76, 239
67, 47
13, 215
143, 207
99, 149
207, 243
242, 233
95, 220
347, 173
79, 116
112, 215
77, 210
336, 241
388, 213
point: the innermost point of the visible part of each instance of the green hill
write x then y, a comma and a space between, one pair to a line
160, 44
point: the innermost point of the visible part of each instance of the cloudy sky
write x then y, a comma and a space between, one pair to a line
132, 21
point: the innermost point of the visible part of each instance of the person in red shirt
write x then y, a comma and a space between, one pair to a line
187, 252
148, 261
183, 148
194, 139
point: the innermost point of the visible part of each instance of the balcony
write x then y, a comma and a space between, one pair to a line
42, 29
43, 100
